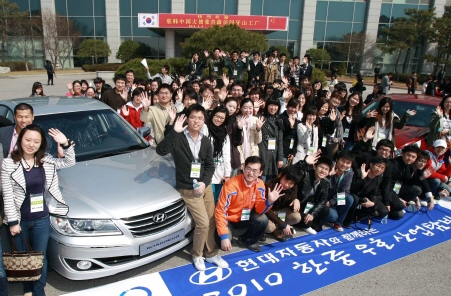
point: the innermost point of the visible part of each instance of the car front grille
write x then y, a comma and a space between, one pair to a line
154, 222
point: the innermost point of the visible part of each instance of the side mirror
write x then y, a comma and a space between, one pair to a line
144, 131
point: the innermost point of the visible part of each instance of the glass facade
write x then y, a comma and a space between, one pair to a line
129, 30
335, 21
213, 7
37, 52
292, 9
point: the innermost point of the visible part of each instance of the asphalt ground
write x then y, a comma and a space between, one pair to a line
424, 273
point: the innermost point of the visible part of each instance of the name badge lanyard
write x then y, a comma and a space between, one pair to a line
195, 165
37, 199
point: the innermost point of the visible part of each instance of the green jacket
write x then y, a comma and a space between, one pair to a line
215, 67
239, 66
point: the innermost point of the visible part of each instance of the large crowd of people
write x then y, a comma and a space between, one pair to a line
280, 151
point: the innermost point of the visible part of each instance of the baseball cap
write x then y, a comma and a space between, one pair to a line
440, 143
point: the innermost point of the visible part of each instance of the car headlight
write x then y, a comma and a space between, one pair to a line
84, 227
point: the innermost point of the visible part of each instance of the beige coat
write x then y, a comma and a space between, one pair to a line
255, 137
271, 72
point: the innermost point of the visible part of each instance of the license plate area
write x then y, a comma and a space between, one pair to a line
161, 243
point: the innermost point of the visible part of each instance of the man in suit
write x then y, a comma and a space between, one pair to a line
284, 68
23, 116
307, 67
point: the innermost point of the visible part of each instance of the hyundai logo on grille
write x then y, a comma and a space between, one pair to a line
160, 217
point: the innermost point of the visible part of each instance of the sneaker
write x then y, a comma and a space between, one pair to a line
263, 238
310, 230
218, 261
254, 247
404, 211
199, 263
346, 225
337, 227
424, 203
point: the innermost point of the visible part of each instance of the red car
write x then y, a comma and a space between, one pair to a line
417, 127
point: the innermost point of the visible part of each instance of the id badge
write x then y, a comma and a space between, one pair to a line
36, 203
235, 72
308, 207
311, 150
245, 214
195, 170
397, 187
324, 142
291, 143
215, 69
380, 136
271, 144
282, 215
341, 199
346, 133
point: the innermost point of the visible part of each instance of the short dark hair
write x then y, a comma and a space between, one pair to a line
191, 93
129, 71
386, 143
296, 57
205, 87
99, 80
254, 159
22, 107
378, 159
293, 103
216, 48
423, 155
235, 51
167, 67
196, 108
137, 91
282, 55
120, 77
271, 56
346, 154
291, 173
325, 160
164, 86
17, 154
411, 148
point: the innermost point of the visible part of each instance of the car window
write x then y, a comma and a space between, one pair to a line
421, 119
96, 133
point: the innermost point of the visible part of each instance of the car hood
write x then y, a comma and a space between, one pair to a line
410, 134
118, 186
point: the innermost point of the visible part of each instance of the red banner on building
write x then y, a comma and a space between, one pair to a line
204, 21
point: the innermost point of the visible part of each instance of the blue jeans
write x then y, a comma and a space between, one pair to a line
3, 283
349, 145
37, 233
338, 214
436, 185
254, 229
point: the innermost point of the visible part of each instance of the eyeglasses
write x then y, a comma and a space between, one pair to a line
194, 118
164, 93
253, 171
219, 117
385, 150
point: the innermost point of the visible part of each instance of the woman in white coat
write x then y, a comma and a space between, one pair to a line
307, 131
216, 130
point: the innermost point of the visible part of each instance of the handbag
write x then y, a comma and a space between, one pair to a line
23, 266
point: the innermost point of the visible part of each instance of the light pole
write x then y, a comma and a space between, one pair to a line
92, 60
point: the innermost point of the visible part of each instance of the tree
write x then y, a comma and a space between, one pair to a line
342, 69
318, 74
319, 56
227, 38
397, 38
23, 33
132, 49
61, 36
441, 36
9, 13
357, 47
94, 48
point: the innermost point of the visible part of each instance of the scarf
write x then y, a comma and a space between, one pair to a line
218, 133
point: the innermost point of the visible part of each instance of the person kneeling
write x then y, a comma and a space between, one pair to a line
241, 207
285, 211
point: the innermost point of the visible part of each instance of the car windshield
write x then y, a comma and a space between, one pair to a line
421, 119
96, 134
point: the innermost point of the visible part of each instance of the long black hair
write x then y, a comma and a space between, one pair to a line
218, 133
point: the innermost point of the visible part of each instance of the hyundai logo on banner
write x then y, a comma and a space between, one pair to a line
149, 293
210, 276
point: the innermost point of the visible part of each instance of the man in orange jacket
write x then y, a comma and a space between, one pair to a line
242, 205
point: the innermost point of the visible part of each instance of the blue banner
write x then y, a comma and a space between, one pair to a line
310, 262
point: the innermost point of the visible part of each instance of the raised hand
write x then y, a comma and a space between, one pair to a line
427, 173
371, 114
182, 80
274, 194
58, 136
222, 94
370, 133
207, 102
287, 94
178, 126
313, 158
411, 112
171, 113
124, 95
125, 110
206, 53
146, 102
333, 114
260, 122
364, 171
69, 85
333, 171
342, 115
225, 79
179, 95
285, 80
241, 121
258, 104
